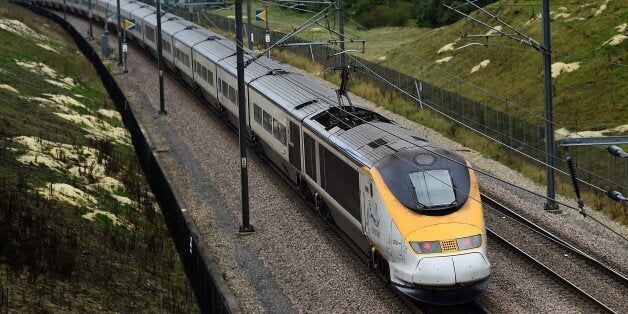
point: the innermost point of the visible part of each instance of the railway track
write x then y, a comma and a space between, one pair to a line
597, 286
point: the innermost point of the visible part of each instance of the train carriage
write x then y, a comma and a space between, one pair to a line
125, 14
169, 30
206, 55
101, 9
182, 44
74, 6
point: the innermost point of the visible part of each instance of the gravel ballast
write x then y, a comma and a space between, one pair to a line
293, 262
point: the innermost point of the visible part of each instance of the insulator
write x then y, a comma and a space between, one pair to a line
574, 180
616, 196
617, 151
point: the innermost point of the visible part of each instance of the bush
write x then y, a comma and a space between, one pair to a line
386, 15
432, 13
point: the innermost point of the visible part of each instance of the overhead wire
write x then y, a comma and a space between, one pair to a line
433, 107
512, 148
455, 161
523, 36
498, 141
331, 101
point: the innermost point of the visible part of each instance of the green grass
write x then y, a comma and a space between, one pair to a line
591, 97
51, 258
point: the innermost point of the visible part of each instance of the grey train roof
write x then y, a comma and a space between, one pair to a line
376, 140
302, 97
143, 12
255, 70
283, 90
127, 8
190, 37
174, 26
165, 19
215, 50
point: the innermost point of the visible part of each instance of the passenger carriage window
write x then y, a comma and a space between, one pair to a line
204, 73
275, 128
225, 89
257, 114
310, 155
268, 122
233, 95
150, 33
210, 77
282, 134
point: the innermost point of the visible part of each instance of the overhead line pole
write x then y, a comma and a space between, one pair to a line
341, 29
249, 27
267, 35
546, 49
160, 64
119, 34
550, 205
89, 8
244, 179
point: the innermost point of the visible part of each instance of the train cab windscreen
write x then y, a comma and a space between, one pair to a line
432, 188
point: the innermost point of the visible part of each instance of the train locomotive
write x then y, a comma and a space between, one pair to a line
413, 207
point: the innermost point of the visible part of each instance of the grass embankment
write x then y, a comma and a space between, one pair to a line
80, 228
594, 96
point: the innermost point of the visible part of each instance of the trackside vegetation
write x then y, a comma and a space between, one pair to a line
81, 231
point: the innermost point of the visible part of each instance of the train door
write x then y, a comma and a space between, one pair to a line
370, 214
294, 146
365, 200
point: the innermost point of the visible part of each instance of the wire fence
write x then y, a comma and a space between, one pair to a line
206, 289
524, 132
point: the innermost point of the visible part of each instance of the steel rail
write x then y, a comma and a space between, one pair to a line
503, 209
494, 204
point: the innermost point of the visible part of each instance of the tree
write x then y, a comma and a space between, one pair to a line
432, 13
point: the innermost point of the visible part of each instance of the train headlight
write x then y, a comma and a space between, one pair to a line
426, 247
469, 242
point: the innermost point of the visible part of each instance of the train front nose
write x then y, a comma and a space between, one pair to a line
447, 271
447, 280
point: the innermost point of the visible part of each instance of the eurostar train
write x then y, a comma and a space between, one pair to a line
410, 205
